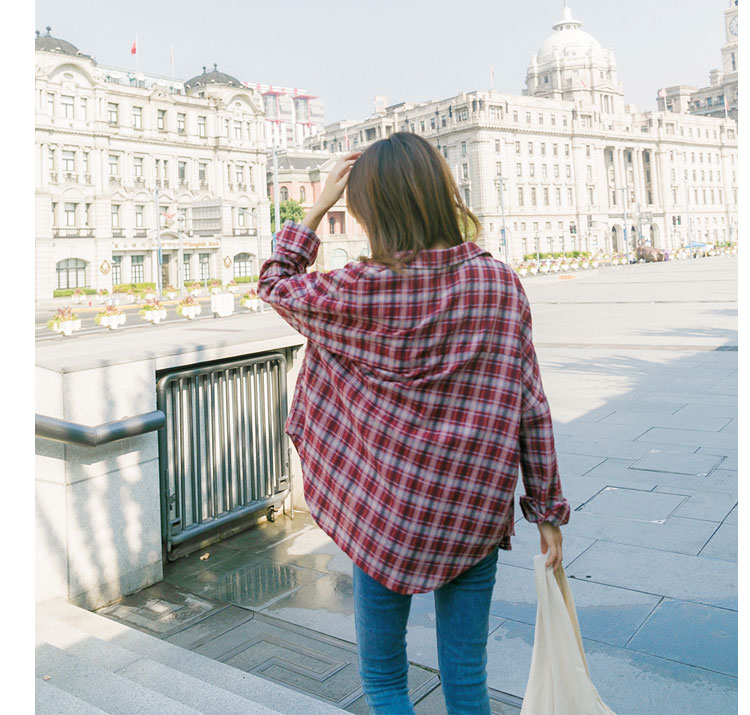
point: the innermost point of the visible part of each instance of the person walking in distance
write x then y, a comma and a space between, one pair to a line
419, 395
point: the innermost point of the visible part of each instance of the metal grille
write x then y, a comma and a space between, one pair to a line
223, 453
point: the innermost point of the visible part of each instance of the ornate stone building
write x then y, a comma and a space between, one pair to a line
568, 163
107, 142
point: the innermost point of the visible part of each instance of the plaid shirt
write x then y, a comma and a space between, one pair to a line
416, 399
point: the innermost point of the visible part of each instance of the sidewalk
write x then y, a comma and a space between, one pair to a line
640, 367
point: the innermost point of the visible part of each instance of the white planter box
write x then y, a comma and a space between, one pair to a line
252, 304
222, 305
67, 327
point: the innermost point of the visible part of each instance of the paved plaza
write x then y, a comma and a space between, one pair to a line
640, 367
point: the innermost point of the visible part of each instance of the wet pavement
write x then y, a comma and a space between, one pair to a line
640, 368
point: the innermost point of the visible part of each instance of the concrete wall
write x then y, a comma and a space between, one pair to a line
98, 519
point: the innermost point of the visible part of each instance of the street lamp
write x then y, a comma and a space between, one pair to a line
500, 183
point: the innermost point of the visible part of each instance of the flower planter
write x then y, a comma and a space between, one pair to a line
534, 270
155, 316
594, 264
522, 271
77, 298
150, 296
544, 268
233, 288
222, 305
585, 264
172, 295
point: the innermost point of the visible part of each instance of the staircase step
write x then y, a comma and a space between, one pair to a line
99, 687
260, 693
50, 699
198, 694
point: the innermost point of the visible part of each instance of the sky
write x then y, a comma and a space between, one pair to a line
348, 51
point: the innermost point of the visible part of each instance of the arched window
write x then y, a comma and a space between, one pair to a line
339, 258
71, 273
302, 196
284, 193
243, 265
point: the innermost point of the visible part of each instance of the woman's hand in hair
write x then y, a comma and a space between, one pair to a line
332, 190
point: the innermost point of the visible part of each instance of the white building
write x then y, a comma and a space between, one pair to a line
560, 159
107, 140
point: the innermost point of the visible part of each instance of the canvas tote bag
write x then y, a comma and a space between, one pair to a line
559, 682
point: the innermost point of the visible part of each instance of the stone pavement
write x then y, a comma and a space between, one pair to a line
640, 367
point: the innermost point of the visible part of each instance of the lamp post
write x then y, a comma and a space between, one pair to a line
500, 183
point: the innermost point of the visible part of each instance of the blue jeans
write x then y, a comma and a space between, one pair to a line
462, 607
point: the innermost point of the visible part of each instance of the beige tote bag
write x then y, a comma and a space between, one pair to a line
559, 681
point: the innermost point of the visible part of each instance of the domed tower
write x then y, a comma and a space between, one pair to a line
200, 83
572, 65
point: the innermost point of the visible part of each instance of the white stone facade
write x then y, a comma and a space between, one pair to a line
106, 143
565, 151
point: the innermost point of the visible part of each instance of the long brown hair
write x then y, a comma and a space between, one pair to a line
404, 195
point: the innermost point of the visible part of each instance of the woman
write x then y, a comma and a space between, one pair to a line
419, 394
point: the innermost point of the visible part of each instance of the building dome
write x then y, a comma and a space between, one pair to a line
208, 79
47, 43
569, 40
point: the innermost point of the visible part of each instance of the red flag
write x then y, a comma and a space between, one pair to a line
132, 49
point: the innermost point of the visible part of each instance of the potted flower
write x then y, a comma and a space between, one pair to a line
250, 300
65, 322
233, 286
78, 295
149, 294
215, 286
522, 270
534, 268
594, 261
555, 266
171, 292
585, 262
102, 294
153, 311
131, 295
193, 288
189, 308
111, 317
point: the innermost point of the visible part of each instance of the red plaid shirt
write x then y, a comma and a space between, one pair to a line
417, 397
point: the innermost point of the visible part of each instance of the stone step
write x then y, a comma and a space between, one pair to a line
99, 687
260, 695
51, 699
185, 689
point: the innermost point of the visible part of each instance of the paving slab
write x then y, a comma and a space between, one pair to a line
707, 506
662, 573
637, 504
713, 411
574, 465
690, 438
630, 683
647, 419
581, 489
691, 633
657, 460
723, 544
732, 517
605, 613
526, 546
614, 448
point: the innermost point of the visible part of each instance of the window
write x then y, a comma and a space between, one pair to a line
462, 114
558, 196
302, 195
588, 151
467, 197
519, 170
554, 150
499, 168
445, 150
70, 214
464, 171
591, 196
497, 146
533, 196
442, 121
112, 112
115, 214
541, 118
84, 105
186, 266
66, 103
203, 266
546, 196
570, 197
180, 123
543, 148
242, 265
51, 159
589, 174
201, 126
531, 148
528, 117
544, 171
116, 270
567, 150
137, 117
139, 215
239, 173
552, 119
114, 165
515, 117
138, 167
85, 158
421, 126
432, 122
51, 104
532, 171
69, 161
283, 193
411, 126
136, 269
567, 171
463, 148
518, 148
241, 214
161, 117
557, 171
181, 169
237, 130
71, 273
520, 195
202, 172
331, 224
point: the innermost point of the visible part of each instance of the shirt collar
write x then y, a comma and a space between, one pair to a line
444, 257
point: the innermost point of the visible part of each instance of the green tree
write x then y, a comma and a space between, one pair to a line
289, 210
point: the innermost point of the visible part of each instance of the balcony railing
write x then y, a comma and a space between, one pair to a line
117, 233
72, 232
140, 233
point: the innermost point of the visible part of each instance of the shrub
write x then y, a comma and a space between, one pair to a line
137, 287
66, 292
246, 279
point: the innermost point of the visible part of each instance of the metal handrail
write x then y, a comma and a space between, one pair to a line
93, 436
